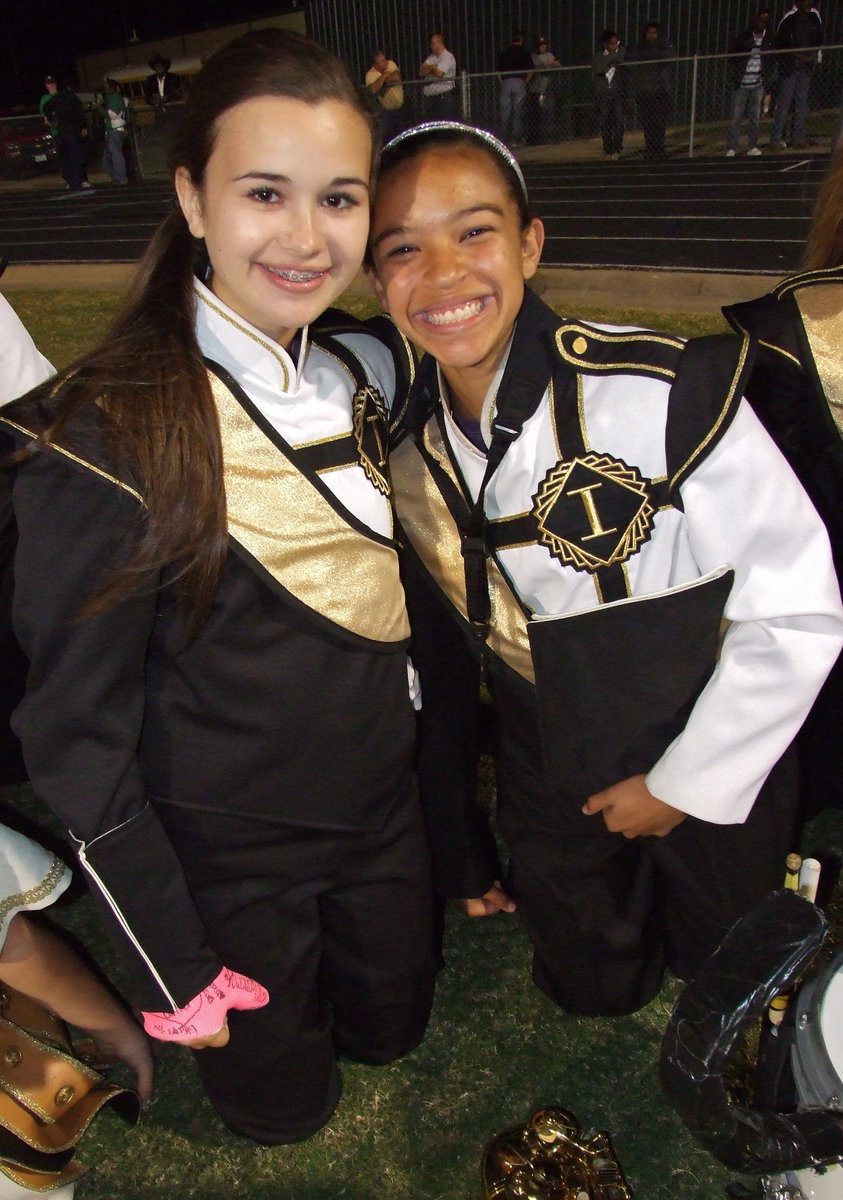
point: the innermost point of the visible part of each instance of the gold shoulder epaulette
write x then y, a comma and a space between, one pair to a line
592, 350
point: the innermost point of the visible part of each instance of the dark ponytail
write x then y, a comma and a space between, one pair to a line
148, 376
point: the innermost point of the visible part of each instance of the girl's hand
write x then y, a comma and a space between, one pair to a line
126, 1041
491, 902
631, 808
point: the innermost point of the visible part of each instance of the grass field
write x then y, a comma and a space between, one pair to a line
495, 1051
65, 324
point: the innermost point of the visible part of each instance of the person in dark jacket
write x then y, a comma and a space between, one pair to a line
609, 89
749, 82
65, 112
515, 57
800, 34
161, 87
652, 83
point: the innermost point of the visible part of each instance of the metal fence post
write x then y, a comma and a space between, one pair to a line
691, 126
465, 96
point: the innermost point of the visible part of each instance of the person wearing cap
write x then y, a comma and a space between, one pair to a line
114, 114
161, 87
52, 87
64, 110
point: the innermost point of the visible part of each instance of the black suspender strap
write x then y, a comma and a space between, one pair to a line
528, 371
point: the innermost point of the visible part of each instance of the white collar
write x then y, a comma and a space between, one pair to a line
489, 404
242, 349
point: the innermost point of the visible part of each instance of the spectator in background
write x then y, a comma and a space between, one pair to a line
440, 68
750, 84
652, 83
801, 34
539, 109
161, 87
514, 58
52, 87
65, 111
114, 114
609, 88
383, 79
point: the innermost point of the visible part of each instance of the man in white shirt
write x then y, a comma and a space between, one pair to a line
440, 67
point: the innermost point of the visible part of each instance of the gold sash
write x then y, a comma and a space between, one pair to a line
428, 524
822, 315
289, 526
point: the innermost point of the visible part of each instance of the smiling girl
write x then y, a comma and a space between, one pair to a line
581, 505
207, 591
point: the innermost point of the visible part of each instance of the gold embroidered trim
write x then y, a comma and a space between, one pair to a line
80, 461
267, 345
334, 437
727, 404
602, 470
26, 899
781, 351
616, 339
293, 530
822, 275
761, 342
396, 416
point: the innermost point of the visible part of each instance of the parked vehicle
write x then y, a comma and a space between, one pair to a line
26, 146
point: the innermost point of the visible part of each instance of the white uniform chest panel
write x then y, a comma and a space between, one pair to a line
625, 418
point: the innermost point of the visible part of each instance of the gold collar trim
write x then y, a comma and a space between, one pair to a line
250, 333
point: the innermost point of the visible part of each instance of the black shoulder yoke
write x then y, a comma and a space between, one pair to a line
774, 319
334, 323
594, 351
711, 377
808, 279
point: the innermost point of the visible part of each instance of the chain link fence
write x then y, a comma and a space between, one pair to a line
678, 106
688, 112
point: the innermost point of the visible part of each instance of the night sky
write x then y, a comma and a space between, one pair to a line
46, 36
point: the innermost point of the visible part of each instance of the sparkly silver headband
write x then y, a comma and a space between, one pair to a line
470, 131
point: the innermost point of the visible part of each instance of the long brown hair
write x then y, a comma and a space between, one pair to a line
148, 374
825, 237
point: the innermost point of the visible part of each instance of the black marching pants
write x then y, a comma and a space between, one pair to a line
605, 913
337, 926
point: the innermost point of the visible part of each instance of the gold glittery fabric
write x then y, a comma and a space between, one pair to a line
822, 315
430, 527
297, 535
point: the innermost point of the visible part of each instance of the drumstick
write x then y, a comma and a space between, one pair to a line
793, 864
809, 879
778, 1005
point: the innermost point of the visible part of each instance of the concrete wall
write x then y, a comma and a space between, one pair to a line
91, 68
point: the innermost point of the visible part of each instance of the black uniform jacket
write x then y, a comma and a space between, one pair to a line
290, 705
797, 372
468, 619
